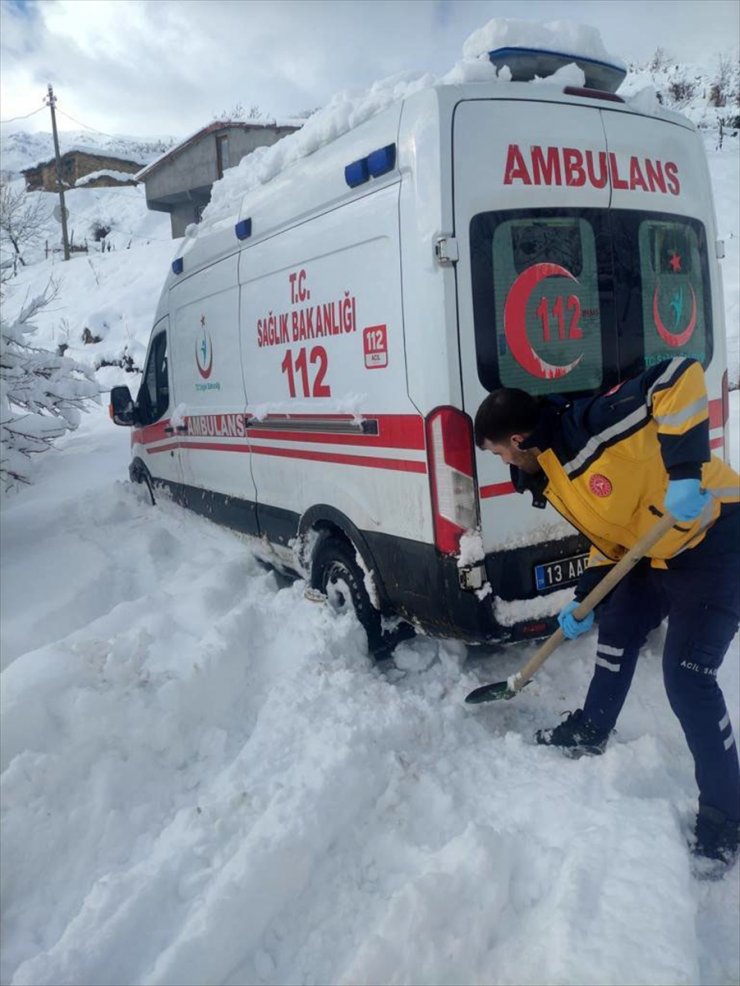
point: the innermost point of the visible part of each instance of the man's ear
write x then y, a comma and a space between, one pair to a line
517, 440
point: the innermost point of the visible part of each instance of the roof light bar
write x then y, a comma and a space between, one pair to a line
377, 163
243, 229
526, 63
382, 161
356, 173
177, 266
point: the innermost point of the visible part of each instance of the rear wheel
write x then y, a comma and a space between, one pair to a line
336, 574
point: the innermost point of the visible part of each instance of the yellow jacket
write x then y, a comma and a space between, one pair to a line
608, 460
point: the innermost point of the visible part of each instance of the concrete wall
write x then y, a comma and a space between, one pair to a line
182, 214
181, 184
196, 166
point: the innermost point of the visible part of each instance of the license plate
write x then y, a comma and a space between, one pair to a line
557, 574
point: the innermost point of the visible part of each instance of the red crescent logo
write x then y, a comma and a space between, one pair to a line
515, 322
205, 372
669, 337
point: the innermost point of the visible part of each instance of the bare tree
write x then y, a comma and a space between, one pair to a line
660, 60
235, 114
238, 114
21, 219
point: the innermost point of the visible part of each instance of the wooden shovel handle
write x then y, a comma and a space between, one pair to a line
623, 566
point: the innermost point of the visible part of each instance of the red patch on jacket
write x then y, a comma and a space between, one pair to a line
600, 485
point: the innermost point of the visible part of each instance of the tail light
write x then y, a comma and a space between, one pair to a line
725, 412
451, 457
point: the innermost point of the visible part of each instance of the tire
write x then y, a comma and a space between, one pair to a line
146, 479
138, 473
336, 574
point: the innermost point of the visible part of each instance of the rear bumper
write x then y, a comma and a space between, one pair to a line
424, 587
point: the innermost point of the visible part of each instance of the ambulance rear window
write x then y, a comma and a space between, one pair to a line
673, 306
545, 334
557, 239
571, 301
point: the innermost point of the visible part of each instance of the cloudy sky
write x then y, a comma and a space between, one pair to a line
167, 67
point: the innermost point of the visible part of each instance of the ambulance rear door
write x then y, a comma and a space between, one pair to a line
663, 224
530, 183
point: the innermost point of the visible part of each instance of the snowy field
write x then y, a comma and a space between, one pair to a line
205, 779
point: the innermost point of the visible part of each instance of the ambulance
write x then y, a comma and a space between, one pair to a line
315, 363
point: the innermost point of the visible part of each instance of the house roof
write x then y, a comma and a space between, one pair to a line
87, 153
214, 127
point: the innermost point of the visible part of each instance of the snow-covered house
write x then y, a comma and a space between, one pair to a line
81, 167
180, 181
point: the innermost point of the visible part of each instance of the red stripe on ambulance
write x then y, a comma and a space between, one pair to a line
496, 489
404, 431
151, 433
716, 414
163, 448
399, 465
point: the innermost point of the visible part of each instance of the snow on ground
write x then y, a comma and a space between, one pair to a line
205, 779
113, 294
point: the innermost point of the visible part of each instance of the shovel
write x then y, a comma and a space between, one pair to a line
513, 685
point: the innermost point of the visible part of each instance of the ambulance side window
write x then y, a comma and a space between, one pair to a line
154, 394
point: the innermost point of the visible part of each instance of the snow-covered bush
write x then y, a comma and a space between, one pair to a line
41, 394
709, 98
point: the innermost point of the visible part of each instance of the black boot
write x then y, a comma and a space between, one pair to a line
716, 840
576, 736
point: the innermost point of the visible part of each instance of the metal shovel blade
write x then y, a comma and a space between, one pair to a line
490, 693
510, 688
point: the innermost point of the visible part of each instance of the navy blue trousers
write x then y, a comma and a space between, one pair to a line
700, 596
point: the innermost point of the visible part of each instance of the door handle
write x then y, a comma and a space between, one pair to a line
168, 430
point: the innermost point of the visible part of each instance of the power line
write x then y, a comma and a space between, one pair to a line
81, 124
78, 122
14, 118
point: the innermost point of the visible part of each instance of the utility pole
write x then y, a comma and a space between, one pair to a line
50, 102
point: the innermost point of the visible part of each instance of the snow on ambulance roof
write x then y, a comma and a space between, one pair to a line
351, 107
554, 36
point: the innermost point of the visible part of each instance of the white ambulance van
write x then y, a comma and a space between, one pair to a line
315, 365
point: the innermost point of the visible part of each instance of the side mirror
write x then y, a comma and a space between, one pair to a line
121, 406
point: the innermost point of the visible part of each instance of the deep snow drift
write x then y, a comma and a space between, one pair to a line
205, 780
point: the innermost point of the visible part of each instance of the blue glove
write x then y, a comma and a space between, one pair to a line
572, 627
685, 499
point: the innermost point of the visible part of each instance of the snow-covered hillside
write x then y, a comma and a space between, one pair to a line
206, 780
20, 150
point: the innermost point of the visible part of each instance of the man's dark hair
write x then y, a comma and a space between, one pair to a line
504, 413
